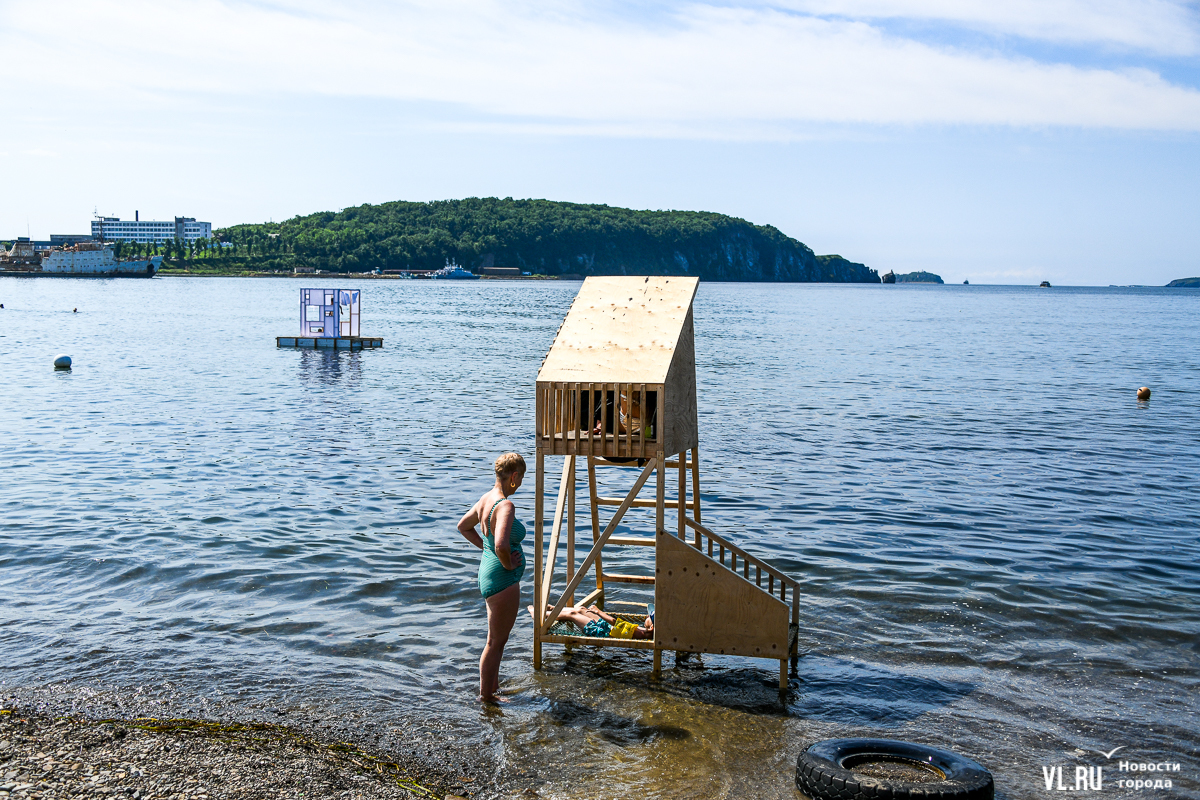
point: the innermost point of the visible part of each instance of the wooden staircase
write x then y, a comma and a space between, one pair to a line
710, 595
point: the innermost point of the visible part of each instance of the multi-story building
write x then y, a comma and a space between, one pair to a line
139, 230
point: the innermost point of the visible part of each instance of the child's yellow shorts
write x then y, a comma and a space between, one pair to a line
622, 630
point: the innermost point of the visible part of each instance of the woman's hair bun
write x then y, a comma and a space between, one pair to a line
509, 463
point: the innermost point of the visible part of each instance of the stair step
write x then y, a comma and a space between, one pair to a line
616, 501
628, 578
644, 541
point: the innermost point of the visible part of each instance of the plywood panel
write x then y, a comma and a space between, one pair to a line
700, 606
622, 329
682, 425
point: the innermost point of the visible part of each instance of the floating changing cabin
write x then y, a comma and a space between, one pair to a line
330, 318
618, 390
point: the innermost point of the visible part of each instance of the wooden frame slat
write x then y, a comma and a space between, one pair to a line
660, 512
540, 396
595, 521
627, 391
696, 484
642, 428
681, 503
538, 601
591, 410
560, 507
571, 523
560, 396
616, 501
617, 578
591, 597
591, 641
635, 541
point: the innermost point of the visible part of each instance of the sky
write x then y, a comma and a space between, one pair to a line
997, 142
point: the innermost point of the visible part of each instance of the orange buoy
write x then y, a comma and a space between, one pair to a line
1144, 393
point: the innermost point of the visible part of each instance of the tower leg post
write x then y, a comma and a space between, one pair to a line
539, 602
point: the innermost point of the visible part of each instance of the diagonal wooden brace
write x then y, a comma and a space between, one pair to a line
548, 620
548, 572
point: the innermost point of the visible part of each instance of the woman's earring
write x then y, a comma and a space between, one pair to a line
513, 484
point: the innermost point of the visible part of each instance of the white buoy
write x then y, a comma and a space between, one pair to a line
62, 361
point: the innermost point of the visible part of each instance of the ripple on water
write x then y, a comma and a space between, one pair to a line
997, 548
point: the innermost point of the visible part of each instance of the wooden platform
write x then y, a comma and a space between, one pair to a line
330, 342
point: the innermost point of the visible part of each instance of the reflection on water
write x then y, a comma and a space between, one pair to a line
997, 545
332, 368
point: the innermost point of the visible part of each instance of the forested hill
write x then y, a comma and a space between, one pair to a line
539, 236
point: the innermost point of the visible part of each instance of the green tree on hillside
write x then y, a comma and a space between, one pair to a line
537, 236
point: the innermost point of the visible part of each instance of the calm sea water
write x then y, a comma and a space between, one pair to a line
997, 545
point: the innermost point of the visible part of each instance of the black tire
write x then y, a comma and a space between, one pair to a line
823, 772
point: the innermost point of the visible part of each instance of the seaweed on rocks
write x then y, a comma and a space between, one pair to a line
42, 756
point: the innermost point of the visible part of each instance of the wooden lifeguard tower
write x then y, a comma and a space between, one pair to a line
618, 389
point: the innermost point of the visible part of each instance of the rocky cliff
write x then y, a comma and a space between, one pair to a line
541, 237
919, 277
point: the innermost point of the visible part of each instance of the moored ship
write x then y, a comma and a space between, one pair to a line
83, 260
452, 271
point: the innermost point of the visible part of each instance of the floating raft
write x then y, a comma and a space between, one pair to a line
331, 342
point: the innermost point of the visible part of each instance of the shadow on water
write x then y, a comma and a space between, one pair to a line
612, 727
828, 689
740, 688
851, 692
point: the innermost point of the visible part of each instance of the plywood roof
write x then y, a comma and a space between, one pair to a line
621, 329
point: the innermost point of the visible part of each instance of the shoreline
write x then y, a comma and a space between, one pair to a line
355, 275
56, 745
149, 758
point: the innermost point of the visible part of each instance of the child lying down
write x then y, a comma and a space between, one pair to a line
595, 622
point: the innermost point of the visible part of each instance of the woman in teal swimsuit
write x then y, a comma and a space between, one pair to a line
502, 565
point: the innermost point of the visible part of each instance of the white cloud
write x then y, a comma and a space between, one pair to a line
1168, 27
712, 72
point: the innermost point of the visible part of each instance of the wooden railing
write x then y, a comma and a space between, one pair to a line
567, 422
718, 547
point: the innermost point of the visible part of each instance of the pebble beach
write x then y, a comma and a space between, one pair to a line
43, 756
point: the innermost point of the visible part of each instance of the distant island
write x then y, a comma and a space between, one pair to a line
919, 277
1191, 283
544, 237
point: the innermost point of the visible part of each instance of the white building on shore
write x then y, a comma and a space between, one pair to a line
112, 229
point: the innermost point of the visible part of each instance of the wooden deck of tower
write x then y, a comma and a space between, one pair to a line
618, 388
